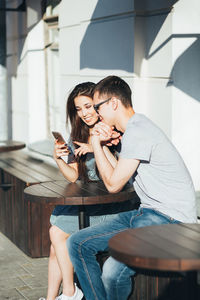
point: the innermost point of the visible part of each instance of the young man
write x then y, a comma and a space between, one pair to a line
160, 179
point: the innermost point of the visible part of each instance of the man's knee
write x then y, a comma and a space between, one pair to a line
110, 270
77, 243
115, 272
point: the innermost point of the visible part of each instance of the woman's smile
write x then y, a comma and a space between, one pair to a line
85, 109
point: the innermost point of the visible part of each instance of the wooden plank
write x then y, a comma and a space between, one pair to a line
172, 242
152, 247
26, 227
41, 166
26, 170
85, 193
33, 163
101, 195
71, 192
41, 194
19, 214
46, 211
165, 286
181, 236
17, 173
139, 253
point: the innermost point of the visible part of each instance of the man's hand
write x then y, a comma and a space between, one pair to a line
106, 134
115, 139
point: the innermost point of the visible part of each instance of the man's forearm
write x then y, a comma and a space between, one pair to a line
103, 164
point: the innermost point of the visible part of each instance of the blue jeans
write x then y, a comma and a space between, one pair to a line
115, 281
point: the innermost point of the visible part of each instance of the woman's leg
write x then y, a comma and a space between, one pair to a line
54, 276
58, 240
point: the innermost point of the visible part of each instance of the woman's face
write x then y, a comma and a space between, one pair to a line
85, 110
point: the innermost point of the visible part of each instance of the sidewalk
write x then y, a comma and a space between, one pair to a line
21, 277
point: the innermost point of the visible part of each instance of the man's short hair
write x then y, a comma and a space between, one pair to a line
114, 86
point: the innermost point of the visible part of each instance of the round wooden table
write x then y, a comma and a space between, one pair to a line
171, 248
62, 192
10, 145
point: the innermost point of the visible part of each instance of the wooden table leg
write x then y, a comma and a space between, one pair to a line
83, 218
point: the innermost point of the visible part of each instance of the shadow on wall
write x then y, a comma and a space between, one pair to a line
186, 70
108, 42
149, 19
109, 39
185, 73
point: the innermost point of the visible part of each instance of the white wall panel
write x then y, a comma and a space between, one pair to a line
77, 11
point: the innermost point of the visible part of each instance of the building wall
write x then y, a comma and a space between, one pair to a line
25, 64
153, 45
96, 40
186, 88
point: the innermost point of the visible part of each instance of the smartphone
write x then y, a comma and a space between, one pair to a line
58, 136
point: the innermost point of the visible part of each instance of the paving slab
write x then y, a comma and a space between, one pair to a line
21, 277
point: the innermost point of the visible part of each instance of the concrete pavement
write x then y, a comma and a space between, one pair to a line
21, 277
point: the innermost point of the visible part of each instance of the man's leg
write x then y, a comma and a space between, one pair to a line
117, 276
83, 247
117, 279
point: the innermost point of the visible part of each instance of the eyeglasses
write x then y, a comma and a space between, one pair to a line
96, 106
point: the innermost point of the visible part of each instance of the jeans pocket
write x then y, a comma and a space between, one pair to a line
136, 213
168, 219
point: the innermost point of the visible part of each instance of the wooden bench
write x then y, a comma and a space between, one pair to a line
25, 224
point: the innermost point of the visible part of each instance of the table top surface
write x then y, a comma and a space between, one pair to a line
10, 145
63, 192
171, 247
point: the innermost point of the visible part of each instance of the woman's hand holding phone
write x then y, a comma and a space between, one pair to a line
60, 147
60, 150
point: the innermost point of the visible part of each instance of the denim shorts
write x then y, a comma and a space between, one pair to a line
65, 217
70, 224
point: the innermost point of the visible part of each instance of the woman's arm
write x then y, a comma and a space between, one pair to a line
86, 148
69, 171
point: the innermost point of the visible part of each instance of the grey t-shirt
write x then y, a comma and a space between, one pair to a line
162, 180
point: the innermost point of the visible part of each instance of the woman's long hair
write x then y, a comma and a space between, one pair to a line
79, 130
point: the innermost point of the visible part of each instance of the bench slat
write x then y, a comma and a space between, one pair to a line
39, 165
36, 170
17, 173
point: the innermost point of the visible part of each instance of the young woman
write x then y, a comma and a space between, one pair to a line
80, 164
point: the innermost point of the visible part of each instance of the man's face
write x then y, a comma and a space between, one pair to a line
103, 107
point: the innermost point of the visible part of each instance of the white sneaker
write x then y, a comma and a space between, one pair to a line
42, 298
78, 295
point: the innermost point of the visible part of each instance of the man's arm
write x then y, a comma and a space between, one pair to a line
116, 177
